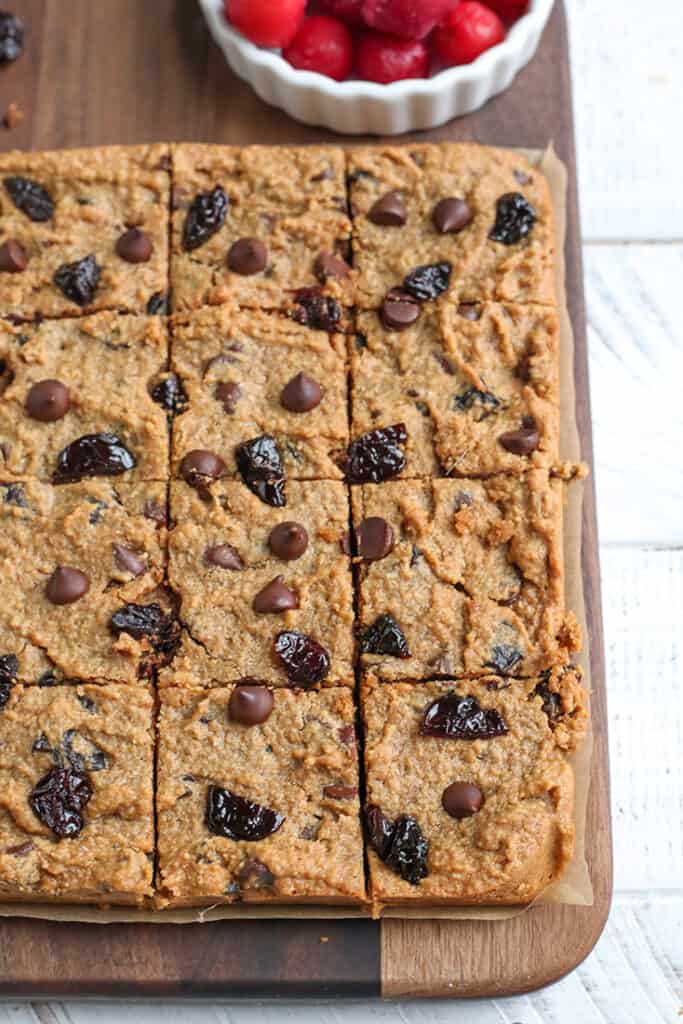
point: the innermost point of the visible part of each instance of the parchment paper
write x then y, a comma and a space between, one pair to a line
575, 885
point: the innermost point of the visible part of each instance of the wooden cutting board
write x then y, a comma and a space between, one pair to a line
128, 71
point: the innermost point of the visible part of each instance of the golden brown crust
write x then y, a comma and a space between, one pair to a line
424, 175
307, 744
522, 837
97, 194
111, 859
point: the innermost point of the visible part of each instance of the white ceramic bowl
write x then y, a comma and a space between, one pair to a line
360, 108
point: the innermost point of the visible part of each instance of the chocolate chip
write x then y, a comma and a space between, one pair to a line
462, 799
248, 256
275, 597
469, 311
288, 541
375, 538
523, 441
66, 585
389, 211
224, 556
301, 394
129, 560
229, 393
135, 246
154, 511
250, 703
451, 215
47, 401
328, 265
340, 792
13, 258
199, 463
399, 310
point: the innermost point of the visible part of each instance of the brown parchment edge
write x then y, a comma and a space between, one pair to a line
575, 886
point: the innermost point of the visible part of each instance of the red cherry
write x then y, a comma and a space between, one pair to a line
324, 45
264, 22
384, 59
469, 30
348, 10
509, 10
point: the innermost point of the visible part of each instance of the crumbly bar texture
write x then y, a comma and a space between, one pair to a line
460, 379
521, 839
95, 742
223, 637
251, 357
291, 200
93, 197
423, 175
474, 582
300, 763
111, 366
83, 527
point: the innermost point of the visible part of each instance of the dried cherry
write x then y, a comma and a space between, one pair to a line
515, 217
58, 799
461, 718
305, 661
400, 844
260, 464
31, 198
385, 636
93, 455
237, 817
204, 218
428, 281
78, 281
377, 455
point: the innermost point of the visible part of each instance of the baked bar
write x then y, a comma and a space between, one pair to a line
81, 574
253, 580
256, 224
461, 577
476, 387
257, 797
83, 230
469, 794
84, 397
76, 810
483, 216
248, 374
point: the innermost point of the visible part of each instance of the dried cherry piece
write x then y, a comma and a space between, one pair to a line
428, 281
254, 874
321, 312
304, 660
79, 280
11, 37
150, 621
170, 394
31, 198
9, 666
95, 760
515, 217
379, 829
461, 718
204, 218
385, 636
93, 455
483, 402
159, 304
58, 799
260, 464
237, 817
399, 844
503, 659
552, 703
377, 455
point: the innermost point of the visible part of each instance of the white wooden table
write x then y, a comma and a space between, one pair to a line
628, 77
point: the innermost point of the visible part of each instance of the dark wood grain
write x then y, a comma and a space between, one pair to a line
128, 71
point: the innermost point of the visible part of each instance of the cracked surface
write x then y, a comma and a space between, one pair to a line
42, 527
426, 174
260, 353
292, 199
109, 363
522, 837
475, 579
112, 858
459, 384
307, 744
224, 639
97, 194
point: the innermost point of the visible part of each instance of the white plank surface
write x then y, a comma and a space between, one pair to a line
628, 80
628, 89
